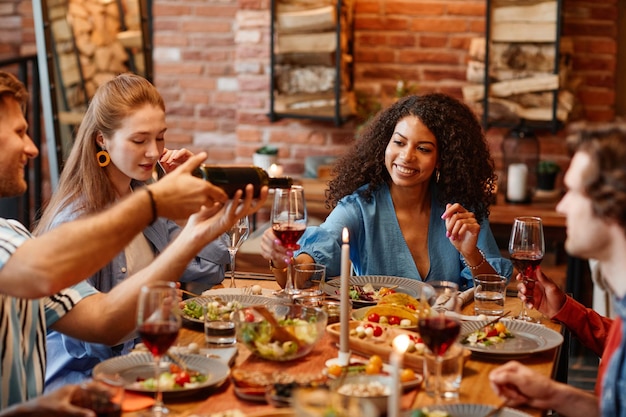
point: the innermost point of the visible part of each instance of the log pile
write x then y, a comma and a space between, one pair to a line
522, 77
92, 45
306, 44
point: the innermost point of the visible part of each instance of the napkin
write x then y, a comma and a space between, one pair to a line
444, 301
135, 402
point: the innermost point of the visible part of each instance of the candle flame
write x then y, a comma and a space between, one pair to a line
345, 235
401, 343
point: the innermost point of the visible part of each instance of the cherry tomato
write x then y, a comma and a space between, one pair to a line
182, 378
411, 306
407, 375
394, 320
368, 326
373, 317
378, 331
492, 332
249, 317
174, 369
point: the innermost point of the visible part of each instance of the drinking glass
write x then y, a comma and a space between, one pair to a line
527, 247
289, 219
158, 322
439, 330
236, 236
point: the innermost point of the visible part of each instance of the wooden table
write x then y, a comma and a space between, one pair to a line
474, 387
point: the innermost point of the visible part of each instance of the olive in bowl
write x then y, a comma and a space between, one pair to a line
280, 332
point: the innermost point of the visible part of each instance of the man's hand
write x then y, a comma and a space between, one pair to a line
179, 194
546, 297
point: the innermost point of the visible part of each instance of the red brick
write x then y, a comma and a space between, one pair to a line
249, 134
449, 25
468, 8
369, 55
593, 63
427, 41
606, 80
365, 6
599, 114
382, 23
370, 39
588, 28
595, 45
434, 57
170, 9
401, 40
444, 74
597, 97
414, 8
215, 10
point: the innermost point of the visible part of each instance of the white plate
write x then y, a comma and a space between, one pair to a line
413, 287
265, 292
244, 300
224, 354
141, 365
473, 410
529, 338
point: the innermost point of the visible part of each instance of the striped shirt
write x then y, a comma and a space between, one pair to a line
23, 326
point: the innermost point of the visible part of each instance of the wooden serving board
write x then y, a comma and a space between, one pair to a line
382, 346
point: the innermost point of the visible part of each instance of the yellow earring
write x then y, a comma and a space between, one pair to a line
103, 158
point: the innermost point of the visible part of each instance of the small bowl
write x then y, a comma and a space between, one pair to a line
306, 325
365, 383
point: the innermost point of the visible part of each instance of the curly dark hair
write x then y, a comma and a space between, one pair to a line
605, 184
466, 168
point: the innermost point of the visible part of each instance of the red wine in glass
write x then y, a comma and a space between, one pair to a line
289, 234
439, 333
158, 337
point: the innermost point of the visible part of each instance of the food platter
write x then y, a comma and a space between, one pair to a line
412, 287
472, 410
244, 300
529, 338
141, 365
265, 292
360, 314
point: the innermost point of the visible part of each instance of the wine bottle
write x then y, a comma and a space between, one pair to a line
233, 178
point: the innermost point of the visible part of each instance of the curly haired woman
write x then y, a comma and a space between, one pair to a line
414, 192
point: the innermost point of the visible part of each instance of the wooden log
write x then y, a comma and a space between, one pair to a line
314, 20
311, 79
512, 87
536, 113
523, 32
541, 12
304, 59
312, 42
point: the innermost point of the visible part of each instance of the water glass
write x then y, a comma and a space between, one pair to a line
489, 294
312, 274
103, 395
451, 373
218, 331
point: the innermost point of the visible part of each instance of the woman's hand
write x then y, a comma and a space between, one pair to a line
273, 249
462, 228
172, 158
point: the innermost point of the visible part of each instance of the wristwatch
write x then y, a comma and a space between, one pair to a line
273, 268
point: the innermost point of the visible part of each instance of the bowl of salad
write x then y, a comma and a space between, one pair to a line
280, 332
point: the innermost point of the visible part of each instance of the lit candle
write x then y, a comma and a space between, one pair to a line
399, 345
344, 336
516, 182
275, 170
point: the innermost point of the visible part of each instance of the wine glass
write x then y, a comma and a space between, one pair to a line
289, 218
236, 236
439, 330
527, 248
158, 322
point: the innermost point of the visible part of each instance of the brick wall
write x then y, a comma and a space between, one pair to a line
211, 63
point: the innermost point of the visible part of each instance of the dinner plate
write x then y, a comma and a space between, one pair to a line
265, 292
529, 338
244, 300
141, 365
412, 287
471, 410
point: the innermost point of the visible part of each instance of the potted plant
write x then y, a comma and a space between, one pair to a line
265, 156
546, 174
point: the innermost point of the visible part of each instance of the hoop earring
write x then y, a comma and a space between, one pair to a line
437, 176
103, 158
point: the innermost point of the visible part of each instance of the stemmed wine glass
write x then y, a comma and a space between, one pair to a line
439, 330
158, 322
236, 236
526, 247
289, 219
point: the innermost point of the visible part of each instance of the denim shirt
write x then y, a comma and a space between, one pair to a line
71, 360
377, 246
613, 401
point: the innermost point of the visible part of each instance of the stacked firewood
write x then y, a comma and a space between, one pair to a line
522, 50
306, 42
